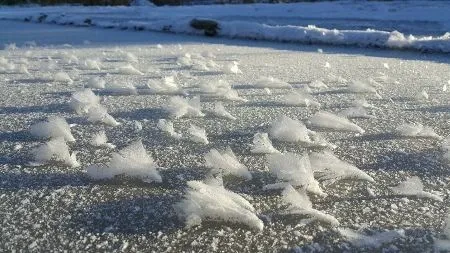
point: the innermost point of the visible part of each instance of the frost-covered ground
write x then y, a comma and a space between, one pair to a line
417, 25
56, 207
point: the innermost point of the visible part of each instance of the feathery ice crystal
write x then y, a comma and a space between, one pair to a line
198, 134
332, 121
220, 111
414, 187
299, 204
271, 82
329, 169
227, 163
53, 127
99, 114
57, 150
262, 144
179, 107
295, 170
133, 161
416, 130
96, 82
82, 101
100, 140
167, 126
213, 202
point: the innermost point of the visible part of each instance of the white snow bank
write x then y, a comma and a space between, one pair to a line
360, 240
179, 107
167, 127
262, 144
328, 168
133, 161
211, 202
271, 82
227, 163
82, 101
332, 121
99, 114
100, 140
53, 127
54, 150
299, 204
416, 130
414, 187
246, 29
295, 170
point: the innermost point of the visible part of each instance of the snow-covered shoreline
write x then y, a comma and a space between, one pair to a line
244, 21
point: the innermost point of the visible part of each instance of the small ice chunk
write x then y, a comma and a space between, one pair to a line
53, 127
360, 240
